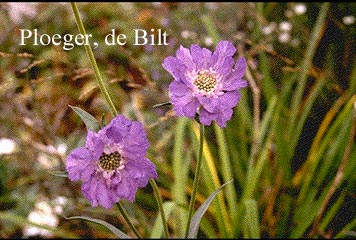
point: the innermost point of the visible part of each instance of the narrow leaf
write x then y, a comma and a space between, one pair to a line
158, 226
194, 225
113, 229
251, 218
161, 104
90, 122
59, 173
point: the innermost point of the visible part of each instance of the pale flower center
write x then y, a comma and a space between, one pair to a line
205, 81
110, 161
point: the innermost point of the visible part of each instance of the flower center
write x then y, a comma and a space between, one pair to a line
205, 81
110, 161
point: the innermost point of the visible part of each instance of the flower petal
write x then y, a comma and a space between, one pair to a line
89, 191
174, 67
178, 89
115, 130
209, 103
126, 188
229, 99
94, 143
80, 164
206, 117
141, 171
234, 81
135, 141
184, 56
224, 116
221, 59
201, 56
191, 108
98, 193
104, 195
240, 67
180, 101
234, 84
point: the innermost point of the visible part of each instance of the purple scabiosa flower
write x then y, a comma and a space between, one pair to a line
112, 165
206, 82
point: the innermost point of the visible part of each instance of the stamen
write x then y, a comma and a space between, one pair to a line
205, 81
110, 161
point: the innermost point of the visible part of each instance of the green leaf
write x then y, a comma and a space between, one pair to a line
226, 168
103, 123
251, 218
59, 173
161, 104
113, 229
157, 230
90, 122
194, 225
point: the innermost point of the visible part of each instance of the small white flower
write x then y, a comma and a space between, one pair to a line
62, 148
185, 34
300, 8
7, 146
285, 26
284, 37
60, 200
156, 4
208, 41
267, 30
348, 20
43, 215
18, 10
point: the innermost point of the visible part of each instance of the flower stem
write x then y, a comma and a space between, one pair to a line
160, 206
127, 219
114, 112
89, 51
196, 178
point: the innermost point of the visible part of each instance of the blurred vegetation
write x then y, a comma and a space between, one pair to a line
290, 136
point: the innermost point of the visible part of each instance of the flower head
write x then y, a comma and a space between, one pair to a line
112, 165
206, 82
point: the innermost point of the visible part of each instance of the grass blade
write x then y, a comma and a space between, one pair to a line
180, 172
194, 226
226, 169
305, 66
251, 218
112, 228
157, 230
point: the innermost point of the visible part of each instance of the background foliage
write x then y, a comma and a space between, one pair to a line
289, 146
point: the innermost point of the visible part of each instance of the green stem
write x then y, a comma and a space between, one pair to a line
89, 51
160, 206
127, 219
114, 112
196, 178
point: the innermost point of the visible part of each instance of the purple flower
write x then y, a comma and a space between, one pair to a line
112, 165
206, 83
